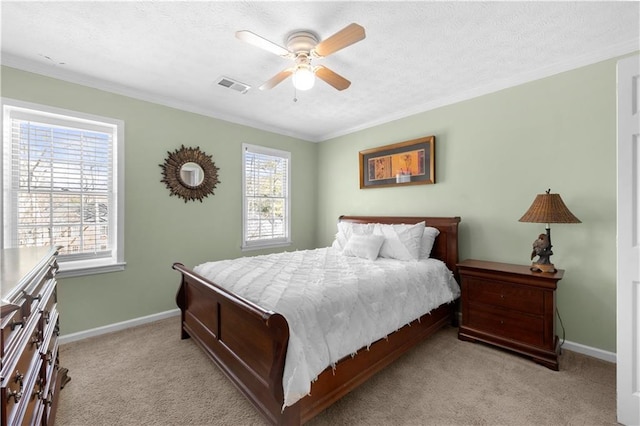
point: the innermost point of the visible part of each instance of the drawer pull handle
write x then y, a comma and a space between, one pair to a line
46, 315
39, 394
15, 324
19, 378
49, 357
49, 399
33, 298
35, 339
17, 395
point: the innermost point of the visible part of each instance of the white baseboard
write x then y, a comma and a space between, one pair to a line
68, 338
590, 351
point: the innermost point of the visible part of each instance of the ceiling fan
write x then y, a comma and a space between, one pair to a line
302, 47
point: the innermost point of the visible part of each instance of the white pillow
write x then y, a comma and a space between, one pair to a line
365, 246
428, 237
401, 242
347, 229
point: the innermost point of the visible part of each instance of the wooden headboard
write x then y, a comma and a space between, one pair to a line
445, 247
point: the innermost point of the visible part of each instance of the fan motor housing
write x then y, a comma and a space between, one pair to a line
302, 41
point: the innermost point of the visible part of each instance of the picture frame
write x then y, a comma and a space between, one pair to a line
406, 163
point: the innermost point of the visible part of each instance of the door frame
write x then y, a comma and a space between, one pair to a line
628, 241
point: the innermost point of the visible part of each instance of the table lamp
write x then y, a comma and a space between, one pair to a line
546, 208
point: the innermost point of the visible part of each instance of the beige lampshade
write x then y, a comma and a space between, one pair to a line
549, 208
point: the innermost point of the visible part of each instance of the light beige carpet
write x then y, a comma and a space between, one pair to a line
148, 376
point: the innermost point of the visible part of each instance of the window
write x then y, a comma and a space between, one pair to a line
266, 204
63, 185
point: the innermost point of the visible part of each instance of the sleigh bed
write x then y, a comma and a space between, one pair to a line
249, 343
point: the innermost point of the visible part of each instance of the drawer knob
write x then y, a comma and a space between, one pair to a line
501, 321
502, 296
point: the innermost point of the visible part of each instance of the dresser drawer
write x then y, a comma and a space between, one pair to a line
49, 349
30, 373
509, 296
504, 323
47, 304
20, 378
30, 407
50, 369
34, 292
12, 328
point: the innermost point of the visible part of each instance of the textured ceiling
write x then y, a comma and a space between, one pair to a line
416, 55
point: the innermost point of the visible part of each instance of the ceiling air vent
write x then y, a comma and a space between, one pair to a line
234, 85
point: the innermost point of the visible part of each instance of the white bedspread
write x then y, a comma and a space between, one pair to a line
334, 304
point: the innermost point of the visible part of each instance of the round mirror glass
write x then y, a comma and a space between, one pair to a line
191, 174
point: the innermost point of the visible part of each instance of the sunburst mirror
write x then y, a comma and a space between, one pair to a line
190, 173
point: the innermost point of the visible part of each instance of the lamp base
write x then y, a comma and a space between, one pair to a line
543, 267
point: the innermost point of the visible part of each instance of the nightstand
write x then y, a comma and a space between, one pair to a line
510, 307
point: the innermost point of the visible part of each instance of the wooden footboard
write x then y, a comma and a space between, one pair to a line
249, 343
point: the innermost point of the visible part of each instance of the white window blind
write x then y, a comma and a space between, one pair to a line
266, 200
61, 184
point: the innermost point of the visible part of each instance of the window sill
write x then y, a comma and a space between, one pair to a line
267, 245
82, 268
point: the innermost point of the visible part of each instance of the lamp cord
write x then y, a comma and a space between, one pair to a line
562, 326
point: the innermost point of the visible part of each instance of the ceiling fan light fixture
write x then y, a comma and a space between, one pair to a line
303, 77
302, 46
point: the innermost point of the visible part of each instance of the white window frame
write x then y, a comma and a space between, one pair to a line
68, 268
267, 242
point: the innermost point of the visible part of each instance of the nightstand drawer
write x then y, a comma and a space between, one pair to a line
520, 298
504, 323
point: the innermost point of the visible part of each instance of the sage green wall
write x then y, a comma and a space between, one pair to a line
494, 153
160, 229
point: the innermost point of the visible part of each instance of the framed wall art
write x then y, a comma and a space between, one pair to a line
405, 163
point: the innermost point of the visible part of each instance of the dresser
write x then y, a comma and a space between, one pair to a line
31, 375
510, 307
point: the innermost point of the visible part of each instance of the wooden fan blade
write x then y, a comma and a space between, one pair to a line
350, 34
332, 78
276, 79
261, 42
